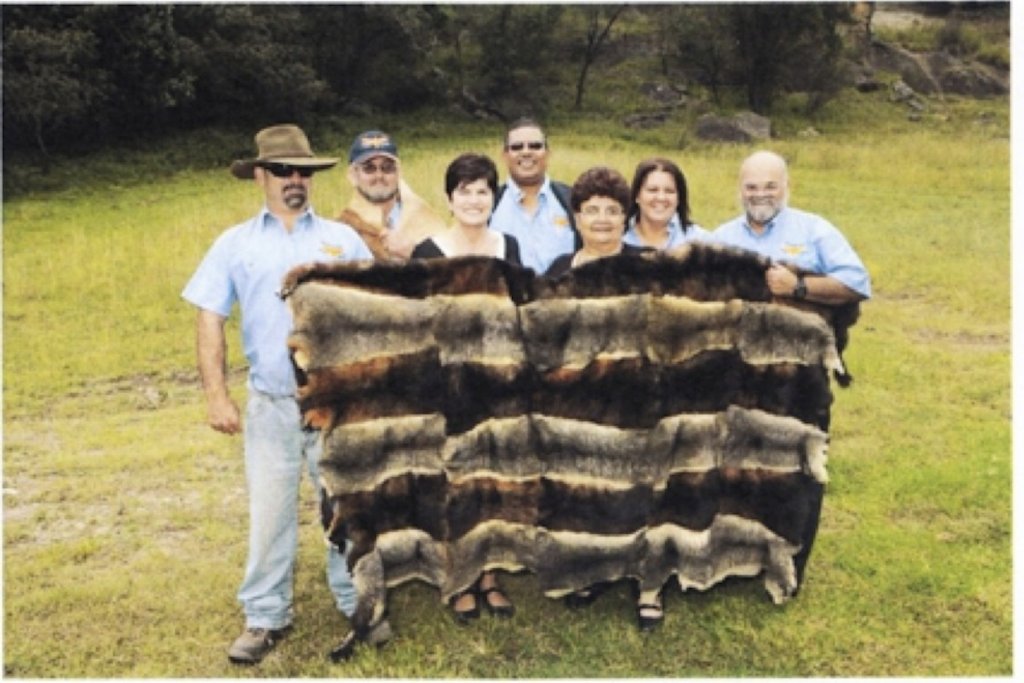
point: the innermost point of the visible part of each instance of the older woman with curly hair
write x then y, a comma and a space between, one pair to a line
599, 200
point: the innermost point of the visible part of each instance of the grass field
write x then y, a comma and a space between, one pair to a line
124, 515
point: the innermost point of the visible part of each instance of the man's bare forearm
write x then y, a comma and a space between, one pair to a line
211, 351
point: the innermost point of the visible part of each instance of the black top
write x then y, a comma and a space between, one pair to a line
429, 249
563, 264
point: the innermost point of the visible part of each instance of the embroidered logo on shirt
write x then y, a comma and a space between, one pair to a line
561, 222
793, 249
332, 250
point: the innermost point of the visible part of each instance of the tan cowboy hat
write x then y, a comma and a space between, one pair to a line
282, 144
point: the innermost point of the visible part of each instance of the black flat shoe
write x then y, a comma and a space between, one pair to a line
585, 597
503, 611
464, 617
649, 617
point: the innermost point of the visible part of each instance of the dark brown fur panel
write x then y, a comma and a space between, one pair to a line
419, 279
474, 392
714, 380
384, 386
778, 500
702, 272
476, 500
566, 506
548, 504
623, 393
630, 393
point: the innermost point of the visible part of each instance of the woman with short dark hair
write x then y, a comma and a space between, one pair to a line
471, 183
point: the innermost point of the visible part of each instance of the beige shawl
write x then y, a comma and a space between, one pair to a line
417, 222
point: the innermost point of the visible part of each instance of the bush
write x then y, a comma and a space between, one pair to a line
958, 39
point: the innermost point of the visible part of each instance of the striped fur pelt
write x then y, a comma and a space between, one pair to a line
641, 417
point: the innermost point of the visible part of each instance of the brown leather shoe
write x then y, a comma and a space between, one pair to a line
254, 644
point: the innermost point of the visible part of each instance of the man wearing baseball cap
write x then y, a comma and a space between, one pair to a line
388, 215
246, 264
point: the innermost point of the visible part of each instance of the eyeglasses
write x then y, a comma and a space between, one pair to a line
518, 146
595, 211
385, 167
286, 170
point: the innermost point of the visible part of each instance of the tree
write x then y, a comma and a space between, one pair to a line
144, 56
764, 48
701, 50
379, 54
47, 81
790, 46
507, 55
253, 63
595, 38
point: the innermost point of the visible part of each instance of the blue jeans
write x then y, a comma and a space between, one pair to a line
276, 447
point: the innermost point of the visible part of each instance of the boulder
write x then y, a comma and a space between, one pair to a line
665, 94
940, 72
901, 92
646, 120
743, 127
912, 68
864, 82
973, 80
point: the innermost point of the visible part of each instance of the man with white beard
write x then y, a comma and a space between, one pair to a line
832, 272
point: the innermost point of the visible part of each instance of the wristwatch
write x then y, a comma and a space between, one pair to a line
800, 291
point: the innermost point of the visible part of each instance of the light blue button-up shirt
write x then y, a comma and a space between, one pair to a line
542, 237
247, 264
394, 215
676, 236
804, 240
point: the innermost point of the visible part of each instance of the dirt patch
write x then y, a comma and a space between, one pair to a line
964, 339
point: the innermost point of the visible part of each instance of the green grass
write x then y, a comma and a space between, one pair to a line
124, 516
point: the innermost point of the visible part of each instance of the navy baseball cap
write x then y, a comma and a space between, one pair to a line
372, 143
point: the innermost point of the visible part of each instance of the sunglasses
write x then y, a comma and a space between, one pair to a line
518, 146
385, 167
286, 170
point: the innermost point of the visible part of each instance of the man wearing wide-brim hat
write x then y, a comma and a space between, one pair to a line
246, 264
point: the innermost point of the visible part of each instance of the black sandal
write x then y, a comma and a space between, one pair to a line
652, 619
464, 617
503, 611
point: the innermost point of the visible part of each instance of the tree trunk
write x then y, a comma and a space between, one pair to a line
594, 42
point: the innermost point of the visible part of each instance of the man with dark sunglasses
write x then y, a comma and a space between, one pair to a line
247, 264
530, 206
389, 216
